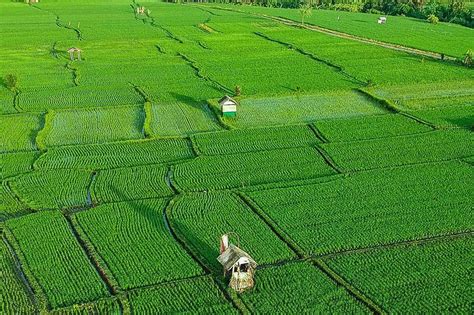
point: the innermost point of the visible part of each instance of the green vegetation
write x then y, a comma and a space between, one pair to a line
442, 283
215, 214
135, 243
301, 287
13, 295
17, 132
367, 207
199, 295
244, 169
17, 163
53, 259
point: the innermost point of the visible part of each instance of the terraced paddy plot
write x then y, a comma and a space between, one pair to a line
53, 261
52, 189
379, 153
199, 295
254, 112
249, 140
133, 240
174, 119
17, 163
372, 208
246, 169
449, 117
96, 125
78, 97
18, 131
118, 154
369, 127
441, 282
130, 183
10, 205
302, 288
215, 214
13, 294
102, 306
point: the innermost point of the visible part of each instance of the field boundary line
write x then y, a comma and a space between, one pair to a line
335, 67
236, 302
92, 255
329, 160
18, 268
33, 282
40, 139
339, 34
317, 132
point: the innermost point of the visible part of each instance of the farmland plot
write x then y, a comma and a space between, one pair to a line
17, 163
302, 288
118, 154
130, 183
135, 243
18, 131
199, 295
449, 117
379, 153
10, 205
258, 139
369, 127
55, 264
102, 306
53, 189
13, 295
96, 125
255, 112
244, 169
437, 273
375, 207
214, 214
174, 119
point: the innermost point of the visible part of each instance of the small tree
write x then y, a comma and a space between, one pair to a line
467, 61
238, 90
306, 9
10, 81
433, 19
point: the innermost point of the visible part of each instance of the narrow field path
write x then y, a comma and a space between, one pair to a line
311, 27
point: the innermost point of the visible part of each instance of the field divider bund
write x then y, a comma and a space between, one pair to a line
32, 282
17, 266
329, 160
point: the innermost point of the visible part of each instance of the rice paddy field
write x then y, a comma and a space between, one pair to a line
346, 174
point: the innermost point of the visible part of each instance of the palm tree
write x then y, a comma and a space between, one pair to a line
306, 9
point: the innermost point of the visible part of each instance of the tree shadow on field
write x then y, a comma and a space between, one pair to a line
184, 99
463, 122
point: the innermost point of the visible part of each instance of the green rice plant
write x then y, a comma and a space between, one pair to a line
13, 295
53, 189
438, 273
198, 295
16, 163
181, 118
249, 140
202, 218
119, 154
53, 260
379, 153
449, 117
17, 132
10, 205
130, 183
94, 125
101, 306
246, 169
257, 112
298, 288
369, 127
367, 206
135, 243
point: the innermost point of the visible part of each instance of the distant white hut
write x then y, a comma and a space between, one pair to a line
382, 20
238, 263
228, 106
74, 51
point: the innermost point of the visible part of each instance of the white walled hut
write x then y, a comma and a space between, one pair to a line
228, 106
238, 264
74, 51
382, 20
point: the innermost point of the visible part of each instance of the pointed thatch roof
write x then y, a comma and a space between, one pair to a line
231, 255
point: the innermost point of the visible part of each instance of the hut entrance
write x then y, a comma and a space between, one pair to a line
73, 52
